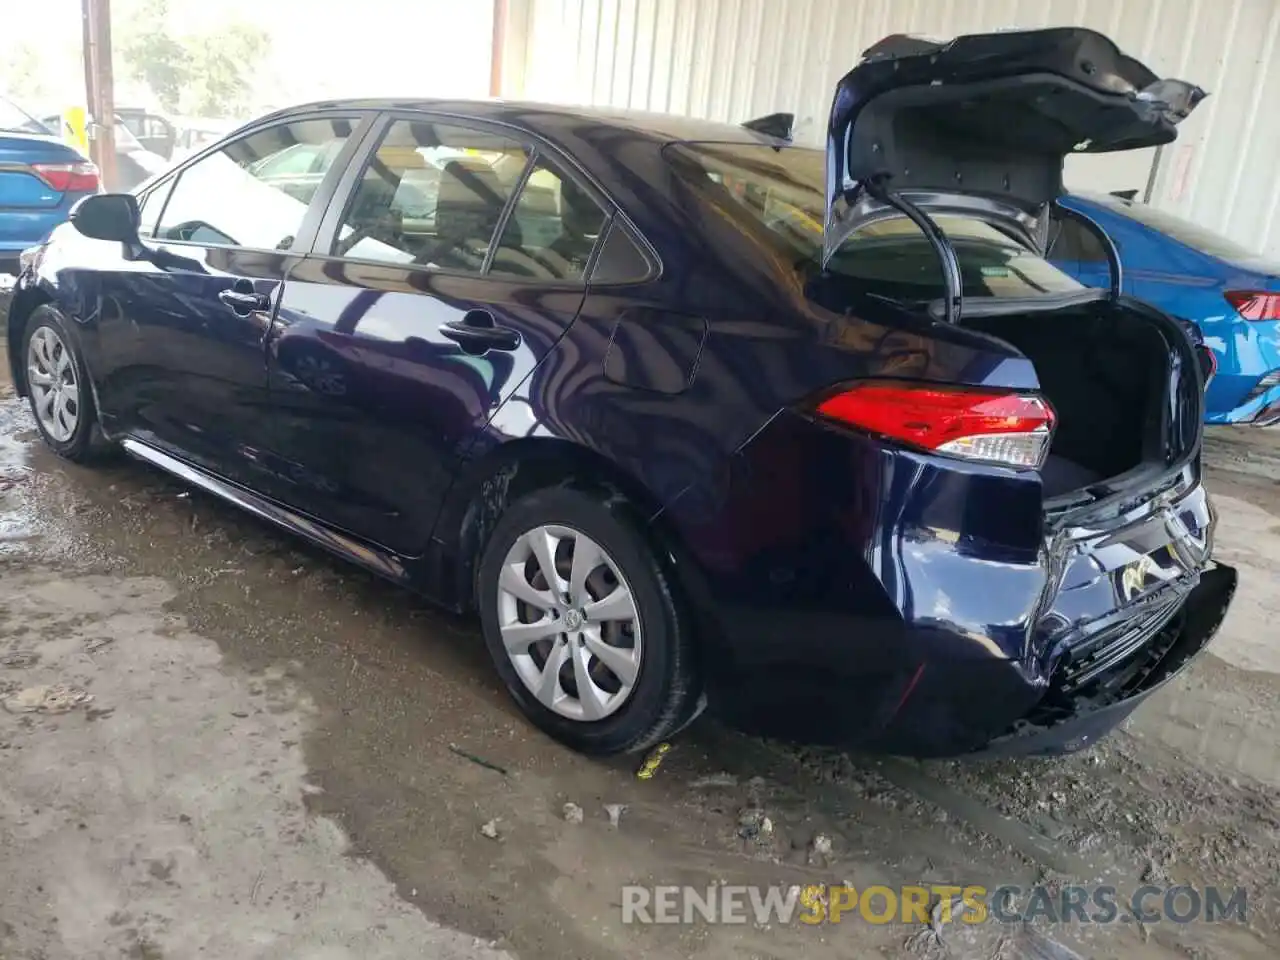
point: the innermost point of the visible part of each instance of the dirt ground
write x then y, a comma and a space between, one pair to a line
218, 742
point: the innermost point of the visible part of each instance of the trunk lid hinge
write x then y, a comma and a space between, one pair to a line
877, 187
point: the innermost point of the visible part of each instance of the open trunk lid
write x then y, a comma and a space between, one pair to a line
985, 122
987, 115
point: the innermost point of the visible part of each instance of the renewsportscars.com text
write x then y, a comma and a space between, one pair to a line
821, 904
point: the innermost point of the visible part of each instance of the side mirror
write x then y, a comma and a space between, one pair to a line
108, 216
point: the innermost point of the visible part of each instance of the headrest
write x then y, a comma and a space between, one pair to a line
579, 213
470, 200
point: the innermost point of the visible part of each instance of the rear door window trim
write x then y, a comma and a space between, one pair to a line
508, 210
353, 175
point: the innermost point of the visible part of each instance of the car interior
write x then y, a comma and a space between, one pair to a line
407, 209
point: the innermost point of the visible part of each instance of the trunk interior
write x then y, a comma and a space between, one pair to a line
1106, 372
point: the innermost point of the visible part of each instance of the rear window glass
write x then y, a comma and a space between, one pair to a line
16, 120
1184, 231
782, 191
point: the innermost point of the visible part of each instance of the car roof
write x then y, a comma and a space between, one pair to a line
662, 127
1171, 228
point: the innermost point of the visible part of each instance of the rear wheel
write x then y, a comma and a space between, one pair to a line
58, 385
583, 625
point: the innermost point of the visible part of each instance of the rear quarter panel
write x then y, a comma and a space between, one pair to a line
740, 326
727, 307
696, 384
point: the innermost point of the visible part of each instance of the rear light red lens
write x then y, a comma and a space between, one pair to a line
1012, 429
69, 177
1255, 304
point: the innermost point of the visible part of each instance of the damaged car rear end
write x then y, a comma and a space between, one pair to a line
988, 500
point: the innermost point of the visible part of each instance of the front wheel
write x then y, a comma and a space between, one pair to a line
583, 624
58, 385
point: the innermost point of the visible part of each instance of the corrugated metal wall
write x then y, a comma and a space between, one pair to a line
734, 59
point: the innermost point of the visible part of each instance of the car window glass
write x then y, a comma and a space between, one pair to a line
1074, 242
619, 260
1184, 231
1089, 248
232, 198
298, 159
15, 119
892, 258
552, 229
125, 140
431, 194
781, 193
1063, 236
151, 205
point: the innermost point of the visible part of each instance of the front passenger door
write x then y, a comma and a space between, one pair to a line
187, 367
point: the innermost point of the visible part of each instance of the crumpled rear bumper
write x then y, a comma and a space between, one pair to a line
1199, 619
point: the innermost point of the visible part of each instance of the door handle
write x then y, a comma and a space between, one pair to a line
477, 333
244, 302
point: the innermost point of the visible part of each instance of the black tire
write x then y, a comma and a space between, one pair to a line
666, 694
79, 446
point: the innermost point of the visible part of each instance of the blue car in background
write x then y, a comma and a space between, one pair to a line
1231, 293
41, 178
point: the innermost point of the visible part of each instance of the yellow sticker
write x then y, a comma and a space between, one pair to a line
75, 128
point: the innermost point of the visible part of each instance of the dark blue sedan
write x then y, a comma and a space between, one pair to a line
685, 412
1231, 293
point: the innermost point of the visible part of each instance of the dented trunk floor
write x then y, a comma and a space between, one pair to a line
219, 742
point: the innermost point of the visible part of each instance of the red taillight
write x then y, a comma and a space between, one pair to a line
999, 427
1255, 304
68, 177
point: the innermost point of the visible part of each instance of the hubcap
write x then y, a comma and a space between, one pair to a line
569, 623
51, 375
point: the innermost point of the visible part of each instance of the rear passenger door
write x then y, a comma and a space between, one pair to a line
451, 259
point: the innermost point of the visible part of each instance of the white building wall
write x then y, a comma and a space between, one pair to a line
735, 59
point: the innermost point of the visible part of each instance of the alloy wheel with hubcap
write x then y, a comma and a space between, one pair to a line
569, 623
583, 620
54, 386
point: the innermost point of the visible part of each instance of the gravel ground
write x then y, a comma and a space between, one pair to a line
218, 742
